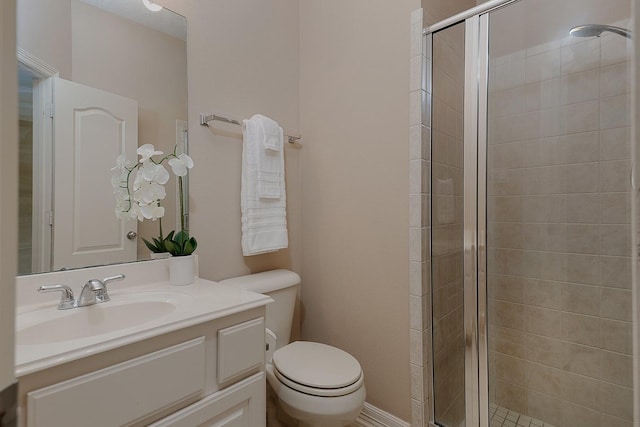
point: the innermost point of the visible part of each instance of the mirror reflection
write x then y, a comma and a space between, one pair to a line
97, 79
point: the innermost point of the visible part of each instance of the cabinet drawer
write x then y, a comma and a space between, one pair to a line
240, 349
123, 393
241, 404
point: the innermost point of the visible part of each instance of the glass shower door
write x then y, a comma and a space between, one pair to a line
448, 53
531, 216
558, 215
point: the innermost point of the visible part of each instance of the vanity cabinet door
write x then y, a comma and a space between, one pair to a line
124, 393
240, 405
240, 350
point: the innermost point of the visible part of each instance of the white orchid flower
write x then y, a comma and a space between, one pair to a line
146, 151
135, 212
119, 181
121, 162
152, 211
181, 165
122, 196
142, 212
123, 204
148, 183
149, 193
115, 182
154, 173
121, 214
138, 181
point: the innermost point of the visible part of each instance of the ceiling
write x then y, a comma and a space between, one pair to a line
165, 20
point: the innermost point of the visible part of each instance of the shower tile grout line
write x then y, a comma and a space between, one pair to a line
503, 417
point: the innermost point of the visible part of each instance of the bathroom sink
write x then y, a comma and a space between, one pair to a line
48, 325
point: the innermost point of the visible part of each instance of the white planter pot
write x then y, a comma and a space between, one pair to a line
159, 255
181, 270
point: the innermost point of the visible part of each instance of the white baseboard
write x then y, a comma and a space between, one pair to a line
370, 416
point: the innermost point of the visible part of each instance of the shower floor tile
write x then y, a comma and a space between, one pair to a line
503, 417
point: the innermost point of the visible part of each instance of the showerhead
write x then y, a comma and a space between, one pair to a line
595, 30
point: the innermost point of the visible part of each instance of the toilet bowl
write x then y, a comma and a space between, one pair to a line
316, 384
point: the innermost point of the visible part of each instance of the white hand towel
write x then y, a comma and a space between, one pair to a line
270, 165
273, 133
264, 220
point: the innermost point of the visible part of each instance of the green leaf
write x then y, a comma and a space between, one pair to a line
151, 247
188, 247
179, 244
181, 237
172, 247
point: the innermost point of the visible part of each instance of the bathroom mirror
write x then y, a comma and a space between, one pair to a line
118, 50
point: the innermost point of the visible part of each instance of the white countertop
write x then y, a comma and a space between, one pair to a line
200, 302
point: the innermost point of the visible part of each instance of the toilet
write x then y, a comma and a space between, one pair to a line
318, 385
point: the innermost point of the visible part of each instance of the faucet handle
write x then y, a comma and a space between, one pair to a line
102, 295
113, 278
67, 300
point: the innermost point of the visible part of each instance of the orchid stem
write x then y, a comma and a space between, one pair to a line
181, 202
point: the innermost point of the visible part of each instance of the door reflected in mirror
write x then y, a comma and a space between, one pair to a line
97, 78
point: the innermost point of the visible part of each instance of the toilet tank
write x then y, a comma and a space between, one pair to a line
282, 287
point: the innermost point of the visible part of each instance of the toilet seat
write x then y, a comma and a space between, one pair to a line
317, 369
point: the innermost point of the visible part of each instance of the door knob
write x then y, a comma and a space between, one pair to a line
132, 235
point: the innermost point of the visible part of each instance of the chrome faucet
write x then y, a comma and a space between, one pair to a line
93, 292
90, 292
67, 300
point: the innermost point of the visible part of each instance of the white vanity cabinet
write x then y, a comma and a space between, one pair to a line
242, 404
207, 374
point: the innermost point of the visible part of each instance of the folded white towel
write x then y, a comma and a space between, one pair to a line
273, 133
270, 165
264, 221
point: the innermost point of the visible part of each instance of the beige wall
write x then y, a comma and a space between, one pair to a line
354, 102
8, 187
243, 59
346, 183
437, 10
238, 72
49, 35
354, 116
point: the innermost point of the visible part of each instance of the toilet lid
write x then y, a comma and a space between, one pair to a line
316, 365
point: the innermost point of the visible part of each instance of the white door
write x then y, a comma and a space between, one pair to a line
91, 129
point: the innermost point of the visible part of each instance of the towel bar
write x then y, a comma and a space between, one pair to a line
205, 119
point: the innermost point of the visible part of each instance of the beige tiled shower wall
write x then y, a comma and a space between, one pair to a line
419, 293
559, 232
446, 221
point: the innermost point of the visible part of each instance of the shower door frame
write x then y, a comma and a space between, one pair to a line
475, 208
476, 375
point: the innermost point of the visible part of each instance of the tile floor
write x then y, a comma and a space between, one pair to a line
503, 417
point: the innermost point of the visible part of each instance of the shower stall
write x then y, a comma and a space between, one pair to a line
528, 112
